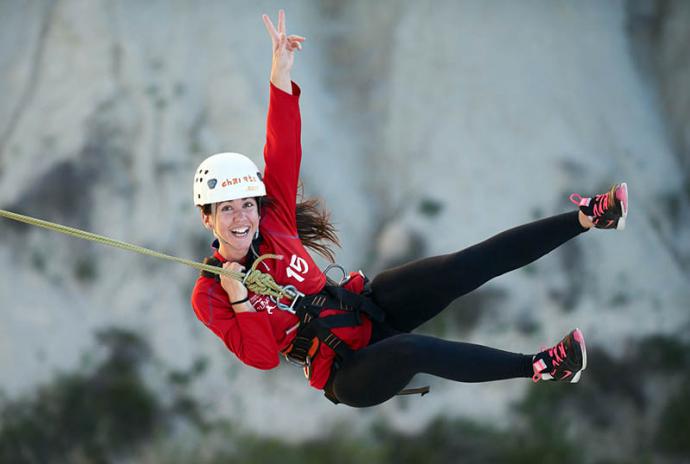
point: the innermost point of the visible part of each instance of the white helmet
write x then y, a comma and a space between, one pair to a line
227, 176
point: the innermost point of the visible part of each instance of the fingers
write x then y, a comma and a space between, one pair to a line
233, 266
294, 42
281, 21
270, 28
279, 37
291, 43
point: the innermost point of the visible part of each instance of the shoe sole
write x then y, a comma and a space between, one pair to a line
579, 338
622, 196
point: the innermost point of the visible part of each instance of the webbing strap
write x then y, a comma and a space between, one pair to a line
333, 297
338, 320
321, 328
414, 391
354, 302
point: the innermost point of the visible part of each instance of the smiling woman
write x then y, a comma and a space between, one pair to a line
355, 341
234, 223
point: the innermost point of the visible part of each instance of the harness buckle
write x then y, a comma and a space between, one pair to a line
306, 365
293, 361
307, 368
292, 293
301, 355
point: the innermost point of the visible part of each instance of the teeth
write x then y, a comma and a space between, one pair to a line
241, 231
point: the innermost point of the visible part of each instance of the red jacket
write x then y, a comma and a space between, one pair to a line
257, 338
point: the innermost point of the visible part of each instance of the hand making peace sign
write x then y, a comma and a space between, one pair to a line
284, 47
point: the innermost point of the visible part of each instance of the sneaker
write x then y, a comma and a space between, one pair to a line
563, 362
608, 210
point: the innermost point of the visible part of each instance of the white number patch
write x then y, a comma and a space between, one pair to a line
298, 267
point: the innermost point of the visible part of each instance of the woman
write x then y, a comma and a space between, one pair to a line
356, 343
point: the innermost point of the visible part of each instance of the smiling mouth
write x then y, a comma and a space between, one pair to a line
240, 232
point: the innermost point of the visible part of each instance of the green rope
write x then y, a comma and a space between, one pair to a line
263, 283
255, 280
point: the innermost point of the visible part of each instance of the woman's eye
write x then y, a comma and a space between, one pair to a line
249, 204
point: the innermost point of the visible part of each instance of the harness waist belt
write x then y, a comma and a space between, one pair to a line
314, 330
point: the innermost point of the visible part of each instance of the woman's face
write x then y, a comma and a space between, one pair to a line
234, 222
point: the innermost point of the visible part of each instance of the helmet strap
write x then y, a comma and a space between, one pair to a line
258, 208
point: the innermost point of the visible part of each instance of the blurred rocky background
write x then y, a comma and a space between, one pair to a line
427, 126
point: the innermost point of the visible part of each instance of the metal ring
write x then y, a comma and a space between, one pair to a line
338, 266
292, 292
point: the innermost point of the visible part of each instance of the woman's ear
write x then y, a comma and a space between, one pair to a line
207, 220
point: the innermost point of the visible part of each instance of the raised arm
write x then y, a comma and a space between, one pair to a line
283, 150
284, 47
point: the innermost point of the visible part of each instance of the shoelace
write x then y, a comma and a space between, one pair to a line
600, 204
557, 354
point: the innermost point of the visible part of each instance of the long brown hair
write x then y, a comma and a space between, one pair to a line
314, 226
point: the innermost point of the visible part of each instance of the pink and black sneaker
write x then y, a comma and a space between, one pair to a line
608, 210
563, 362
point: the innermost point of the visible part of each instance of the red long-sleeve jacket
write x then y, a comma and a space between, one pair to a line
257, 338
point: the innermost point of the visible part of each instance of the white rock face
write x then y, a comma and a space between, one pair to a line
494, 112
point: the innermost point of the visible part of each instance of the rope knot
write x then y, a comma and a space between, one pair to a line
263, 284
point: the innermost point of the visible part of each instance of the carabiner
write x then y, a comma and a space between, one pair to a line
292, 293
336, 266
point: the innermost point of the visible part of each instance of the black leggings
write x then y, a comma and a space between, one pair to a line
416, 292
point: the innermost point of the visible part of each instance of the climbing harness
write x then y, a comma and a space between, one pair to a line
315, 329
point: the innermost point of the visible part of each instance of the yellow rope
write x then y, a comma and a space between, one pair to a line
255, 280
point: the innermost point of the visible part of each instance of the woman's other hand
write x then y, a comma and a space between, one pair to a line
235, 288
284, 47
